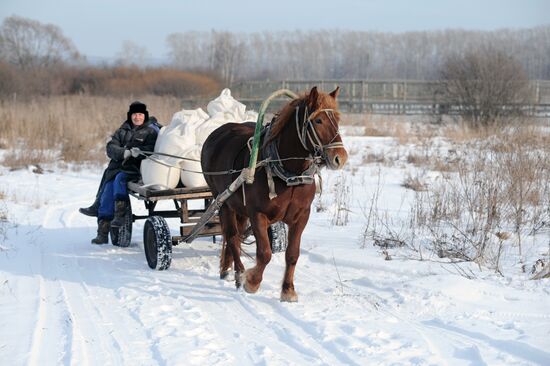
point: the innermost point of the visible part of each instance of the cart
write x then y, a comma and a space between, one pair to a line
157, 239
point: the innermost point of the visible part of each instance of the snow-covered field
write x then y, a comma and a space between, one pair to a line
64, 301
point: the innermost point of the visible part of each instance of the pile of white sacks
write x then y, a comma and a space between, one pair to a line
184, 137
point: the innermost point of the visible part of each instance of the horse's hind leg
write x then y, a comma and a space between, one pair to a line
226, 260
253, 276
231, 253
291, 257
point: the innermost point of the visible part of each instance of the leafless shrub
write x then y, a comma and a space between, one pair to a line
486, 85
342, 197
370, 211
502, 184
3, 218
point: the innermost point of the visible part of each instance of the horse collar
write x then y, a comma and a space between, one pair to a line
275, 165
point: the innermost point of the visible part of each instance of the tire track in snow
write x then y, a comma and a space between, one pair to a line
86, 332
217, 306
128, 337
52, 336
516, 349
301, 335
277, 331
379, 303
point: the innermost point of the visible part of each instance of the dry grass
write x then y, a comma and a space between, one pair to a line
76, 127
418, 159
415, 183
502, 182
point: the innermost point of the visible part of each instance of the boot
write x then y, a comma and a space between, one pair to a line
90, 211
120, 213
103, 227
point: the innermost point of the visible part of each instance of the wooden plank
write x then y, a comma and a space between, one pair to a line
208, 230
175, 193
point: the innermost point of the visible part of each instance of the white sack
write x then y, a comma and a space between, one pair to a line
188, 178
154, 173
231, 109
205, 129
173, 139
186, 120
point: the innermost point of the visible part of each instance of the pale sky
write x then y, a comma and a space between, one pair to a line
98, 27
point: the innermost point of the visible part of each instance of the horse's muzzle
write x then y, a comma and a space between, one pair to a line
336, 158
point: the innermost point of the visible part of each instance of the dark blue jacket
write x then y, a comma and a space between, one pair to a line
126, 137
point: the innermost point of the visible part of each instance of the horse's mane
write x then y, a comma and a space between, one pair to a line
324, 101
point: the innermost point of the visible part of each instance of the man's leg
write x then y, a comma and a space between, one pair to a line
120, 193
92, 210
104, 214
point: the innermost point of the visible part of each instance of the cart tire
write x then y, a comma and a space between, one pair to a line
278, 237
277, 234
122, 236
157, 243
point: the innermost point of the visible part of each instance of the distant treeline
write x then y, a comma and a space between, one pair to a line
328, 54
37, 58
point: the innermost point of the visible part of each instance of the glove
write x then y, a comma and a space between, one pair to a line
135, 151
127, 154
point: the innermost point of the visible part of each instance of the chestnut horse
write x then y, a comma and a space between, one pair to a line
302, 137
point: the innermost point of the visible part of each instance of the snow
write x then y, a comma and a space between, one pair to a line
64, 301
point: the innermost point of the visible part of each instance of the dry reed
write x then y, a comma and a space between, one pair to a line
68, 128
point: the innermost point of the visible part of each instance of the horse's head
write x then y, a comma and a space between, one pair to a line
319, 131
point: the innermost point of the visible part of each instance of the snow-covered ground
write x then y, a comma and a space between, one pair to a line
64, 301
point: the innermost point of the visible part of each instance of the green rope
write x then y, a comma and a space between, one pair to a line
259, 124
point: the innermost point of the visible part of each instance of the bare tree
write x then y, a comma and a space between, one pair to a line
132, 54
190, 50
227, 53
486, 85
30, 44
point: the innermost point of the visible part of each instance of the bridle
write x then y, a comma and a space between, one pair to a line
310, 141
308, 133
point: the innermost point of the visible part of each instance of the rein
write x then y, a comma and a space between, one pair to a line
150, 155
273, 163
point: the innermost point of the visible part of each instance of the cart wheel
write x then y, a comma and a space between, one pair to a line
122, 236
278, 237
157, 243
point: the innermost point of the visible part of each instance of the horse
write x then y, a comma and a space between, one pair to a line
302, 137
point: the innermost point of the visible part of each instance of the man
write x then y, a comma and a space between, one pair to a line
92, 210
137, 133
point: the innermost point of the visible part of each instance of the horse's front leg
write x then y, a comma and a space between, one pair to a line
253, 276
295, 231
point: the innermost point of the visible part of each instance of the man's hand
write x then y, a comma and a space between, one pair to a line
127, 154
135, 151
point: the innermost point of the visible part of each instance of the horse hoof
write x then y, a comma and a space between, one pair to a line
250, 289
224, 274
289, 296
248, 286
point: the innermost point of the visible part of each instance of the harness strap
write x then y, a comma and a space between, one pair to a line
270, 182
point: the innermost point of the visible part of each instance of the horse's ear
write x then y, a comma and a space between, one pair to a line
335, 92
312, 97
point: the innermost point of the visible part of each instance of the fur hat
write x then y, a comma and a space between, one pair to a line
137, 107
